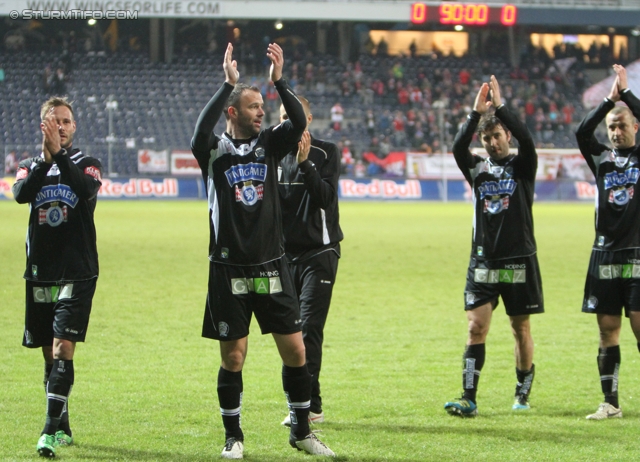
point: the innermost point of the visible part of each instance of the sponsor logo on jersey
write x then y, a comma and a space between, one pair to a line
629, 271
22, 173
52, 294
497, 188
264, 286
494, 276
246, 172
53, 216
93, 171
56, 193
223, 328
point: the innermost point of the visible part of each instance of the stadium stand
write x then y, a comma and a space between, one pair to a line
388, 101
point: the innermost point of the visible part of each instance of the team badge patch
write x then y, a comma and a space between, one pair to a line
249, 194
223, 327
592, 302
55, 216
469, 298
621, 196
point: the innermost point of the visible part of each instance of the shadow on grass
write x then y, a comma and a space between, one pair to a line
99, 452
479, 427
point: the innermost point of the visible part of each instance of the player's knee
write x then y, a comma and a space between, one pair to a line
233, 361
63, 349
478, 330
295, 356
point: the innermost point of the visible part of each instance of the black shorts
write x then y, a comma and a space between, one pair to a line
613, 282
235, 292
516, 280
57, 311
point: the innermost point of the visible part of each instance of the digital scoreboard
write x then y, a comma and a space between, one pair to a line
464, 14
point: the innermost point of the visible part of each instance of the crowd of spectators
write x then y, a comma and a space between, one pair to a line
419, 103
378, 104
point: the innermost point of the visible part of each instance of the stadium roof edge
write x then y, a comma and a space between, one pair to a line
599, 13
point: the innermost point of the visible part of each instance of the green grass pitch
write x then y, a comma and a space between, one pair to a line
145, 379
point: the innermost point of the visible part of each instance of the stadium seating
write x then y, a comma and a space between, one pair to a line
158, 103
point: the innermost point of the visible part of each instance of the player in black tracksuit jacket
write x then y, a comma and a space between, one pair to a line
308, 186
61, 187
503, 259
613, 277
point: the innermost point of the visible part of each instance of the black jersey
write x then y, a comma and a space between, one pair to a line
242, 183
61, 240
502, 191
309, 198
617, 217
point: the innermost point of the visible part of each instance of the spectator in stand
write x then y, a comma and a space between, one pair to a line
385, 147
415, 97
383, 48
397, 71
399, 136
337, 117
567, 115
309, 76
10, 163
403, 96
464, 76
370, 122
413, 49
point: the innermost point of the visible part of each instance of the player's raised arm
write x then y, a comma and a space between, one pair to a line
211, 113
286, 135
481, 105
276, 56
496, 98
626, 95
462, 140
588, 144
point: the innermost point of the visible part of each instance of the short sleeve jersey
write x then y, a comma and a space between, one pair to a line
503, 192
